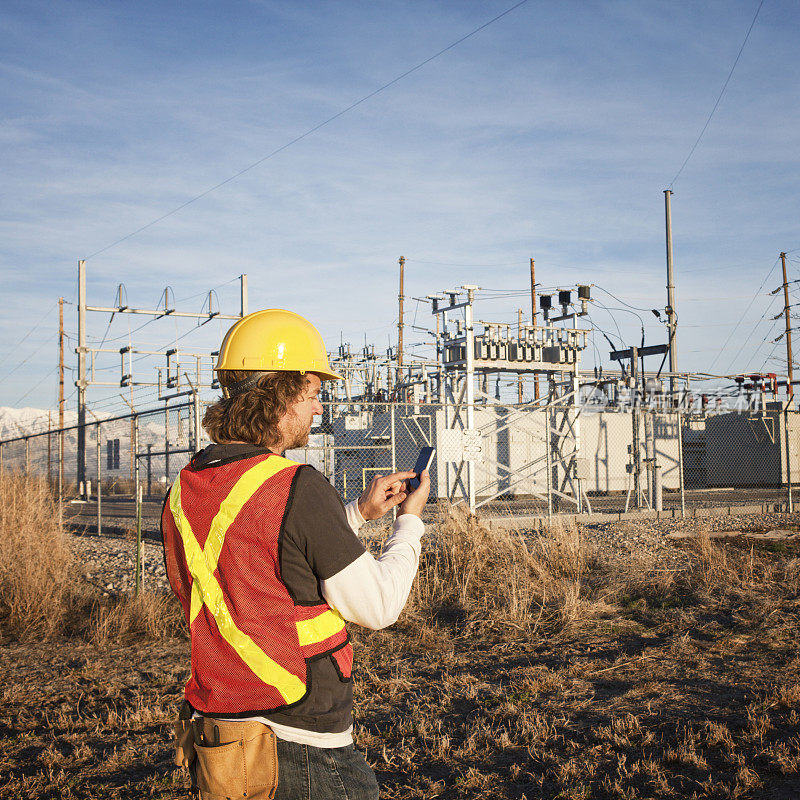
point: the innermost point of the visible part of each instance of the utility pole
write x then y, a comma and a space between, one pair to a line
670, 309
439, 374
519, 337
61, 385
469, 377
789, 387
400, 298
243, 282
636, 453
81, 382
533, 322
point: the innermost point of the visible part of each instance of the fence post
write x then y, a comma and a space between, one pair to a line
680, 463
166, 443
99, 487
138, 495
27, 455
149, 469
637, 464
196, 415
1, 458
649, 456
790, 504
60, 478
549, 456
393, 445
657, 494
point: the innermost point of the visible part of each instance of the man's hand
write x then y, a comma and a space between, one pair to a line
415, 502
384, 493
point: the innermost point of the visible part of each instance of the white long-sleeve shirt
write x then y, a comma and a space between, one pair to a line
370, 592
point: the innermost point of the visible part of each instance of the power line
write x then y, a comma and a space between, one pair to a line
753, 330
614, 320
769, 356
16, 346
310, 130
769, 333
739, 321
724, 87
619, 300
205, 294
36, 386
27, 358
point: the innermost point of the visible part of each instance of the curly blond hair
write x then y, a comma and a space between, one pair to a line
253, 415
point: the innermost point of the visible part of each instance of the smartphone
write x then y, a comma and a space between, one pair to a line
424, 459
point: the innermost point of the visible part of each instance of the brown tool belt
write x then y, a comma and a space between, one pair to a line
228, 758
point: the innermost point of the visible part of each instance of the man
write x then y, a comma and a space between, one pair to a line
267, 565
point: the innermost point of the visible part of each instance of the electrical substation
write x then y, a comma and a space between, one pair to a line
518, 424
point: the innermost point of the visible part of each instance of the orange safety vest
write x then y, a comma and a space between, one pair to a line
251, 642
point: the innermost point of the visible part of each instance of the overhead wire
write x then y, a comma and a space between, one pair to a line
618, 299
614, 320
36, 386
310, 131
35, 327
28, 358
719, 97
752, 331
741, 318
204, 294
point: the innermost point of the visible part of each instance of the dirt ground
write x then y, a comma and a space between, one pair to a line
688, 688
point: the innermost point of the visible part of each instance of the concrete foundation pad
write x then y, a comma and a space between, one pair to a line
770, 536
537, 520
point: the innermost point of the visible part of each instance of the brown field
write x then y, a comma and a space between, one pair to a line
522, 668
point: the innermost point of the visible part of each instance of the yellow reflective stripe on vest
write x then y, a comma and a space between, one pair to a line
209, 593
327, 624
247, 485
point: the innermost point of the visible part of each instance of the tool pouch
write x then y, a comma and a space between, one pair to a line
235, 760
184, 737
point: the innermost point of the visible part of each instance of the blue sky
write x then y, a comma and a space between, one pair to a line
550, 134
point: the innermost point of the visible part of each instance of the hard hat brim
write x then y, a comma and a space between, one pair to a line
327, 376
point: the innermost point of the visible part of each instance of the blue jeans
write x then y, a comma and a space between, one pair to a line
316, 773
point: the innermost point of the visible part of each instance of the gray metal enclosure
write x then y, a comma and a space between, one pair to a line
750, 449
374, 439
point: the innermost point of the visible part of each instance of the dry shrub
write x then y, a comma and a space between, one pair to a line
148, 615
39, 584
42, 593
720, 570
712, 566
489, 576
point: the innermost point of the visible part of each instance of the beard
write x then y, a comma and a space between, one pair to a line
301, 440
296, 432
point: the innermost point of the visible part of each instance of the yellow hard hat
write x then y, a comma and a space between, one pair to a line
275, 340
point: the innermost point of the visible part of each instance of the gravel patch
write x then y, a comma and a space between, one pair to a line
108, 561
659, 540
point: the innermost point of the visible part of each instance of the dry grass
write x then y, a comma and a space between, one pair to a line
37, 572
491, 578
529, 668
149, 616
524, 667
43, 596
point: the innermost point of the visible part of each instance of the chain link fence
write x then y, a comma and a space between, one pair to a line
518, 461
